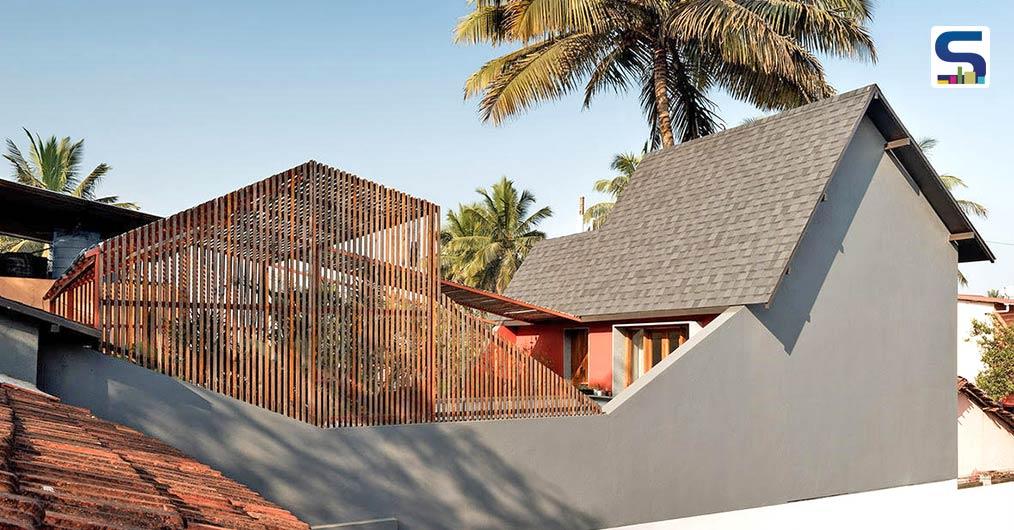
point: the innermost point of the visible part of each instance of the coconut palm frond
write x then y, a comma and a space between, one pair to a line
85, 188
54, 164
485, 243
973, 208
674, 53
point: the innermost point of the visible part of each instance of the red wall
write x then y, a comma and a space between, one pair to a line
545, 342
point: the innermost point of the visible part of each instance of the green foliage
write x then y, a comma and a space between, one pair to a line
485, 243
996, 341
54, 165
625, 164
673, 52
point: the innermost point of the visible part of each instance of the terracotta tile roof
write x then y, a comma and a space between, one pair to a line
984, 299
61, 467
986, 403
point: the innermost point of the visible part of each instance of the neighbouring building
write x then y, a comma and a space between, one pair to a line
739, 305
65, 223
985, 433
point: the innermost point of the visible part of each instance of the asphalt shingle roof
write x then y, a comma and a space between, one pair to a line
61, 467
704, 224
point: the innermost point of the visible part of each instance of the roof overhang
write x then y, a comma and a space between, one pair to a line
498, 304
35, 213
905, 150
50, 321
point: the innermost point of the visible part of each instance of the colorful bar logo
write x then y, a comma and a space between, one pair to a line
962, 78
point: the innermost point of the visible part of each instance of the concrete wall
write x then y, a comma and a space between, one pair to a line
19, 346
984, 444
830, 390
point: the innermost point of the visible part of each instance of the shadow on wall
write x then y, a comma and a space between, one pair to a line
831, 220
379, 478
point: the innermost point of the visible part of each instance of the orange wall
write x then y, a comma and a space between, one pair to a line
28, 291
545, 341
600, 356
545, 344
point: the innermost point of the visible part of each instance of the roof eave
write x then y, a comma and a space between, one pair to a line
912, 158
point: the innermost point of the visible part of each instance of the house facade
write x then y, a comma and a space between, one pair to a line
692, 237
985, 434
295, 334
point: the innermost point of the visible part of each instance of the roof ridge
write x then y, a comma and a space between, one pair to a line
809, 107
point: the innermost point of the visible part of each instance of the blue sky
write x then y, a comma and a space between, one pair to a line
190, 100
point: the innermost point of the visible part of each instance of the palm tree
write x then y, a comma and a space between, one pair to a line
486, 242
460, 224
675, 52
54, 165
625, 164
952, 183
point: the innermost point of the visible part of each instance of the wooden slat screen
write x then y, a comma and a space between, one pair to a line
483, 376
314, 294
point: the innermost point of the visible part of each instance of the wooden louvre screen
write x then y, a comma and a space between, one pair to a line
314, 294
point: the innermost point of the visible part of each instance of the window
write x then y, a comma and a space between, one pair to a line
648, 345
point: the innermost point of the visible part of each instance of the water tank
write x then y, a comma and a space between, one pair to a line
67, 246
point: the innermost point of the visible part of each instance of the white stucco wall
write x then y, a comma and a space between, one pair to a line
984, 444
969, 356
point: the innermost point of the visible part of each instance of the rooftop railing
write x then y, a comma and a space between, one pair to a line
314, 294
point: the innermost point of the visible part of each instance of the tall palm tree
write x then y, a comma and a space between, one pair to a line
54, 165
486, 242
675, 52
625, 164
952, 183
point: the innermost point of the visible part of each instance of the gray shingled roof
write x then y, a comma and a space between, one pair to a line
705, 224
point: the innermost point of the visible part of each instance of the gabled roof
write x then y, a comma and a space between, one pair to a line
60, 467
714, 222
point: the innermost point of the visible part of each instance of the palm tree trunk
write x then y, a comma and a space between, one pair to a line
660, 71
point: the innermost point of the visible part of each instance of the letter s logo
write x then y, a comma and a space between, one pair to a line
944, 52
959, 56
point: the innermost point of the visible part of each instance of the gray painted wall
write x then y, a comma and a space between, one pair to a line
844, 384
19, 346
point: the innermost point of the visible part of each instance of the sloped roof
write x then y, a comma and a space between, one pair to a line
978, 298
60, 467
986, 403
714, 222
497, 304
35, 213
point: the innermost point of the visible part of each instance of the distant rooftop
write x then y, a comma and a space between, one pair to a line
35, 213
